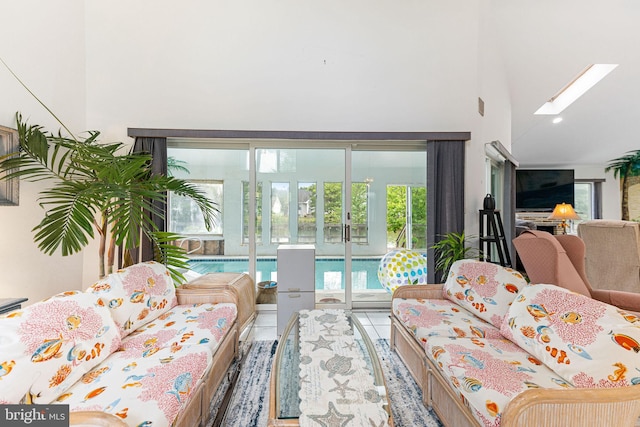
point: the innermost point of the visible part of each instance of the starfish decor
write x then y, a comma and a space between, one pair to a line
332, 418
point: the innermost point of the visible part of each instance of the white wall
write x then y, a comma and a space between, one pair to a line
43, 42
258, 65
286, 65
494, 125
281, 65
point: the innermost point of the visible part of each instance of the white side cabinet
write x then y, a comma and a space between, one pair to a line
296, 281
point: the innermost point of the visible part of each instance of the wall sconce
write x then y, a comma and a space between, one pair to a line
564, 212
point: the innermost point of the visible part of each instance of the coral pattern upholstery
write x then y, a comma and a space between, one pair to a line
483, 288
182, 326
441, 318
489, 373
124, 347
141, 390
136, 294
489, 349
573, 334
49, 345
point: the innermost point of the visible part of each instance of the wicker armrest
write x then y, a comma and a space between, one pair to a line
203, 295
574, 407
240, 284
419, 291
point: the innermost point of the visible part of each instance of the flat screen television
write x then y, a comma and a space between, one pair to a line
543, 189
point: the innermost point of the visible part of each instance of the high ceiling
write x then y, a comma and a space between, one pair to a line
545, 44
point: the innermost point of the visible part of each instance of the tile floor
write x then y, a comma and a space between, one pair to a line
376, 323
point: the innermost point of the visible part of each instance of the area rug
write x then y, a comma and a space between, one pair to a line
249, 404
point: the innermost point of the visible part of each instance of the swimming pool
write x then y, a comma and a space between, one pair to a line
329, 271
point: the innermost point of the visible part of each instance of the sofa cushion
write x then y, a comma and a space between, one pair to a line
488, 373
49, 345
145, 391
136, 295
483, 288
587, 342
440, 318
183, 325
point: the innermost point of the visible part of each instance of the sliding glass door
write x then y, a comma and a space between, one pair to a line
353, 202
389, 213
303, 202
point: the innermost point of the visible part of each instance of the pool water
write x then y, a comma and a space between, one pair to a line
329, 271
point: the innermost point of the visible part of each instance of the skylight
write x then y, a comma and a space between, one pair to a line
576, 88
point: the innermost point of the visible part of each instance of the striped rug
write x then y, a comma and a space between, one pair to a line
249, 405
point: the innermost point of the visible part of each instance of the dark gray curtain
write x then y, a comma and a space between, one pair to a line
597, 199
445, 195
509, 207
157, 147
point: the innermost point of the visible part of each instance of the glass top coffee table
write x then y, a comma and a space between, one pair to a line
345, 362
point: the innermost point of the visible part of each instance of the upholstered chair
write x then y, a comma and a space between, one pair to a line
612, 253
559, 260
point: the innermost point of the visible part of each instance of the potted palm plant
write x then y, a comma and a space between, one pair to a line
98, 188
451, 248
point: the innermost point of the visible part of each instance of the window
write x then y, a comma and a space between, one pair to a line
307, 212
360, 212
333, 212
245, 212
495, 179
406, 217
280, 212
418, 217
585, 200
185, 217
276, 160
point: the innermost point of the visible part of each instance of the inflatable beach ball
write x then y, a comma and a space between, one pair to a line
402, 267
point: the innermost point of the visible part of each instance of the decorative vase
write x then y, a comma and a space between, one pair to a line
489, 203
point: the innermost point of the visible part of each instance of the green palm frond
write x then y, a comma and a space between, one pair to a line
173, 256
174, 164
68, 222
451, 248
90, 180
188, 189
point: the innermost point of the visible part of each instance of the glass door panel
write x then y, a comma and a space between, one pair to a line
360, 212
418, 218
245, 213
306, 205
220, 173
389, 212
396, 216
307, 195
280, 195
316, 195
332, 216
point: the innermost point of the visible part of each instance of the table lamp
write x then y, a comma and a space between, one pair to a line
563, 211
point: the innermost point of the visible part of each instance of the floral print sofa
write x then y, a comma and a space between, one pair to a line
489, 349
128, 346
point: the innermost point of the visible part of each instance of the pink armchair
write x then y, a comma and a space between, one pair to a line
559, 260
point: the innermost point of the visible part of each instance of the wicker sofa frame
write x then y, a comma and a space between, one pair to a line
197, 411
534, 407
